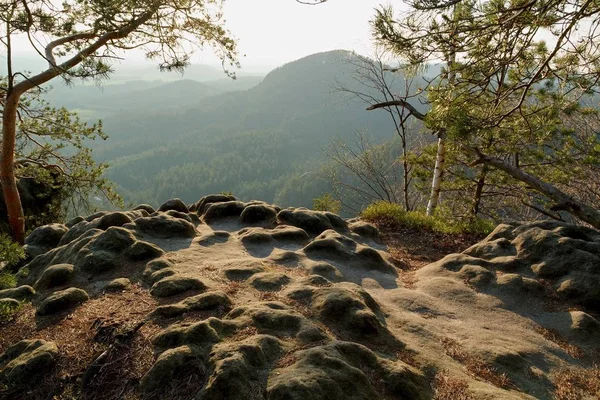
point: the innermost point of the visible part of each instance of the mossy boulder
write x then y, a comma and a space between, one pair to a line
365, 230
171, 365
117, 285
258, 213
62, 301
143, 251
176, 284
313, 222
165, 226
47, 236
175, 205
344, 370
53, 276
98, 262
146, 207
20, 293
113, 219
114, 239
206, 301
269, 281
243, 273
27, 362
223, 210
202, 205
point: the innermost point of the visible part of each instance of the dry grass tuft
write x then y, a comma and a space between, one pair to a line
555, 337
475, 366
577, 383
448, 388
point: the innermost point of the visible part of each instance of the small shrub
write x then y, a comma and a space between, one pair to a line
7, 280
10, 252
7, 311
326, 202
442, 221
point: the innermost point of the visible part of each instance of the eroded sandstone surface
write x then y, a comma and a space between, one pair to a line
237, 300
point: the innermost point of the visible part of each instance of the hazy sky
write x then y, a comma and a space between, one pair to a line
273, 32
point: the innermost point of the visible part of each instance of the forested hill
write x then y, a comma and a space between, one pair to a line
265, 142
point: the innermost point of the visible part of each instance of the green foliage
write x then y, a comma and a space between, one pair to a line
10, 253
505, 93
440, 222
7, 310
52, 150
326, 202
7, 280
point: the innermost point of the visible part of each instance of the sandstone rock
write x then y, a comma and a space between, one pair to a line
114, 239
203, 333
258, 213
143, 251
117, 285
174, 204
176, 284
74, 221
169, 366
243, 273
181, 215
338, 223
75, 232
146, 207
54, 275
341, 371
154, 266
62, 300
47, 236
226, 209
326, 270
19, 293
206, 301
202, 205
28, 361
113, 219
290, 234
96, 215
269, 281
311, 221
165, 226
364, 229
238, 368
98, 262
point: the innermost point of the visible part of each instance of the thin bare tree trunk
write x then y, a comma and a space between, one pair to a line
478, 191
438, 173
8, 179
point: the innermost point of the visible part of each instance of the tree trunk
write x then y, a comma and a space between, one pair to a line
12, 199
406, 173
478, 191
438, 173
564, 201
